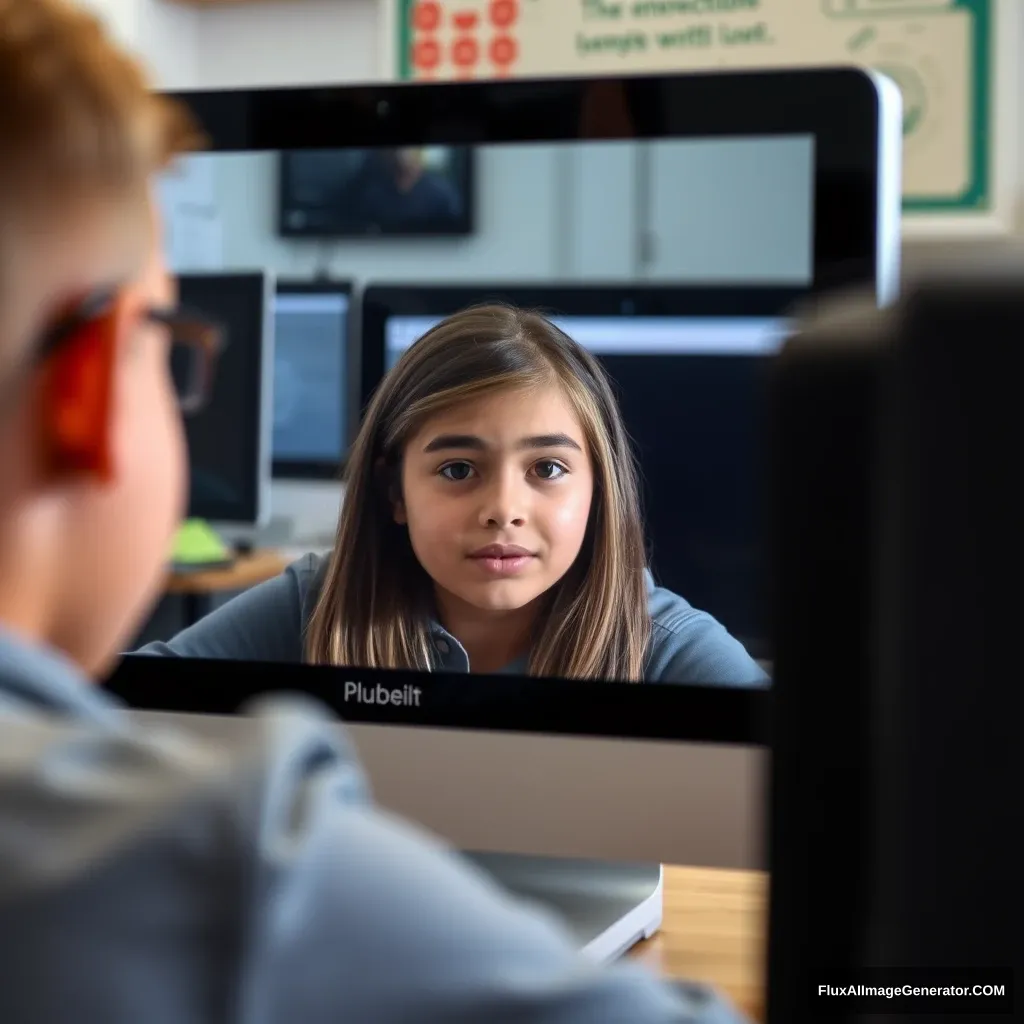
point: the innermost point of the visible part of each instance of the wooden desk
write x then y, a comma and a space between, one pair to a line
714, 930
197, 589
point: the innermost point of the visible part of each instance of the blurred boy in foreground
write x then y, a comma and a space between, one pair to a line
148, 877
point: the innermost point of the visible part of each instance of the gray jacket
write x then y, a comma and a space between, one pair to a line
147, 876
268, 623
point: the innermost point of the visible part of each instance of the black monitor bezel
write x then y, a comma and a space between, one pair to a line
247, 511
501, 704
325, 469
838, 107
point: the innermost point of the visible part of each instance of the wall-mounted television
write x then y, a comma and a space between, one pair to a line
358, 193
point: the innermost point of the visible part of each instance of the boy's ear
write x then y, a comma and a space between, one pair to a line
78, 396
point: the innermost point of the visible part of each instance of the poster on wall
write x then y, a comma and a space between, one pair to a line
954, 61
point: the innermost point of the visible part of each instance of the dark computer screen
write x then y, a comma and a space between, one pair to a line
225, 438
692, 393
357, 192
311, 352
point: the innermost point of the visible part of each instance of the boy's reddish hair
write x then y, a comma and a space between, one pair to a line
76, 110
78, 119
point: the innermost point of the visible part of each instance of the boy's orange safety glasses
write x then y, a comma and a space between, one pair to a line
196, 341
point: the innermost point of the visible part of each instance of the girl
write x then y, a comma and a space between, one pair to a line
491, 521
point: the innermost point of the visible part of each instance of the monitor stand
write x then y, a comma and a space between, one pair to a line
608, 906
199, 548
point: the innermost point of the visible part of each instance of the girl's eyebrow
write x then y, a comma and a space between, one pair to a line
548, 441
447, 442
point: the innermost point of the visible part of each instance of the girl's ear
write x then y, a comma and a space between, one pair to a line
391, 483
395, 497
77, 418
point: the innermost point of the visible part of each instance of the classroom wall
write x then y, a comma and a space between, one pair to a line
166, 35
270, 43
274, 42
677, 210
517, 235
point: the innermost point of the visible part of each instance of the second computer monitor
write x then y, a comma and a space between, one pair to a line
228, 439
688, 367
311, 374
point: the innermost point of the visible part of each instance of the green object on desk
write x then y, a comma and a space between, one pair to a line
197, 547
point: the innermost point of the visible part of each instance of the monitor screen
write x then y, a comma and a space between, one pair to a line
227, 451
691, 391
311, 354
348, 193
653, 196
623, 218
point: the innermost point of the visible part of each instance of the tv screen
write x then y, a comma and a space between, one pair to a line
351, 193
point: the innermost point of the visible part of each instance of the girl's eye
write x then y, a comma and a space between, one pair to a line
456, 471
548, 469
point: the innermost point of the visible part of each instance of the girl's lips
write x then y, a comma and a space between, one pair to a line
501, 551
509, 565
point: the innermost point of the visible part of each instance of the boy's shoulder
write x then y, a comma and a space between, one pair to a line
51, 715
93, 795
125, 826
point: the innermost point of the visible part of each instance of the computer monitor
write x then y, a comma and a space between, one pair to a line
689, 366
352, 193
312, 358
786, 179
229, 439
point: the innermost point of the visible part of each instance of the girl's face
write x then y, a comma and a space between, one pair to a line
496, 495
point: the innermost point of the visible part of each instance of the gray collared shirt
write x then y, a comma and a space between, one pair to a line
268, 623
149, 876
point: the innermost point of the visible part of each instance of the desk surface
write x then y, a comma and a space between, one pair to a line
247, 571
714, 930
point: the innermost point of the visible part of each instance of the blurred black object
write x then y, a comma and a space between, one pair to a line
897, 516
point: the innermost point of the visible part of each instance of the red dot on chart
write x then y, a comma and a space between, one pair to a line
426, 55
465, 21
426, 16
504, 12
504, 51
465, 53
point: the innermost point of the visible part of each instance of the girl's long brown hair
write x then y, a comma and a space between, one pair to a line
376, 599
